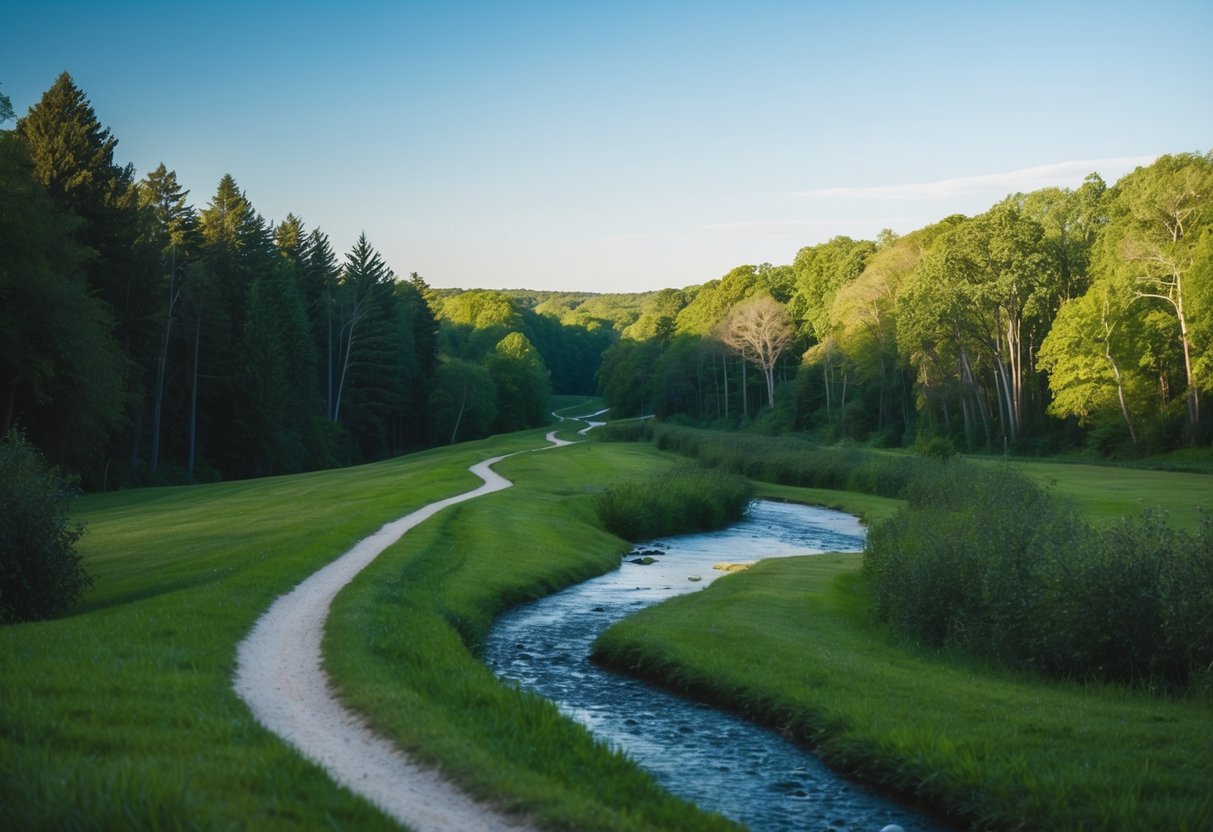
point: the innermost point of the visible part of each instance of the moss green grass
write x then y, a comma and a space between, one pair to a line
792, 643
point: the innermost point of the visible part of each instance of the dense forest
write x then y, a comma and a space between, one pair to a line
147, 340
1055, 320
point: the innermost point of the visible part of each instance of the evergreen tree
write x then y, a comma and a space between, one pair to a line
173, 231
60, 368
73, 158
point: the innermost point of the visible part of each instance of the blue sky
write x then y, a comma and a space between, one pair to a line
624, 146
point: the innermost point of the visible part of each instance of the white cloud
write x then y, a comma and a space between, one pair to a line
1062, 174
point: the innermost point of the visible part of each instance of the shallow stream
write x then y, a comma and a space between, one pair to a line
720, 762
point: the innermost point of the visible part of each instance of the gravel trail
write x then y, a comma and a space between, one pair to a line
280, 676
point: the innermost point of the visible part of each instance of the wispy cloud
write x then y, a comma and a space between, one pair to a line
776, 227
1026, 179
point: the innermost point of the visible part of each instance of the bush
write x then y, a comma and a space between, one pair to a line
988, 562
677, 502
41, 575
625, 430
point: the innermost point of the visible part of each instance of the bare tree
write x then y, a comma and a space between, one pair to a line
759, 330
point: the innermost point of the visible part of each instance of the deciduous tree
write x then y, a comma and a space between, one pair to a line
759, 331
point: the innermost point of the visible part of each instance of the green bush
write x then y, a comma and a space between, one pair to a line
677, 502
625, 430
41, 575
988, 562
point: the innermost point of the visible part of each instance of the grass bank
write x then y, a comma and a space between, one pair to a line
122, 715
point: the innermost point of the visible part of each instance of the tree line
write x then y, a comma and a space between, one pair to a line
146, 340
1056, 318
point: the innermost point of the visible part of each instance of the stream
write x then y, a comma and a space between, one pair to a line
713, 759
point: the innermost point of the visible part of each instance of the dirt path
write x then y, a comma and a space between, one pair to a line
280, 675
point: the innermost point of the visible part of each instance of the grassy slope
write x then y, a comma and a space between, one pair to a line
789, 642
122, 715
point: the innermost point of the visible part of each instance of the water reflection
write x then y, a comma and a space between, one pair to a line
718, 761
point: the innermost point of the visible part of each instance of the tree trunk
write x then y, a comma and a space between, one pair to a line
745, 395
459, 417
161, 362
189, 470
7, 404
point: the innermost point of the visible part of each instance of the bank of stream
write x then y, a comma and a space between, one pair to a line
718, 761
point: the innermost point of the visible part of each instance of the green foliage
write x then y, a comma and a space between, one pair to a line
985, 561
61, 371
690, 499
41, 576
522, 382
935, 447
464, 402
626, 430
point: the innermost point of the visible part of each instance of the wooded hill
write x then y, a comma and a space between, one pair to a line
147, 340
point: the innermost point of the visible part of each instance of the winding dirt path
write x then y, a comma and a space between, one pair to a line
280, 676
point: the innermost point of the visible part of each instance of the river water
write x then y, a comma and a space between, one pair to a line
718, 761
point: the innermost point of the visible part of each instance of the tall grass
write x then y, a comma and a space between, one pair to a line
797, 462
688, 499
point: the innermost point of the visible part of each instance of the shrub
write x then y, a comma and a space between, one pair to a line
684, 500
988, 562
625, 430
41, 575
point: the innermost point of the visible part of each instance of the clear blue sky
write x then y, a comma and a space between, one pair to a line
623, 146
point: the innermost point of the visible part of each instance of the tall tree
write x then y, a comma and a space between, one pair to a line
322, 272
759, 331
73, 158
1158, 218
1089, 354
174, 233
522, 382
60, 368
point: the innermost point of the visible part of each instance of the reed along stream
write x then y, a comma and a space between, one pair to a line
718, 761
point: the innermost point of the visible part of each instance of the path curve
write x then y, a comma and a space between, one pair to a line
280, 676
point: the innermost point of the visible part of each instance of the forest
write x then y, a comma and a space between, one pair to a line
147, 340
